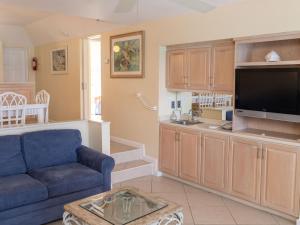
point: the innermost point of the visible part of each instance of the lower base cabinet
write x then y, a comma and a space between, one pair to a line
189, 155
168, 153
245, 169
280, 178
214, 161
265, 173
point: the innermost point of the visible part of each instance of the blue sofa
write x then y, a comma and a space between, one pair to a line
42, 171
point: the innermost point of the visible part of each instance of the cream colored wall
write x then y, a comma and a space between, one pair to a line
63, 88
128, 118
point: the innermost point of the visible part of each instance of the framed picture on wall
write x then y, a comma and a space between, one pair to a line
59, 60
127, 55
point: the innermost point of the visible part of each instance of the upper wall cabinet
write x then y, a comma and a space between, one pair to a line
176, 69
201, 67
223, 68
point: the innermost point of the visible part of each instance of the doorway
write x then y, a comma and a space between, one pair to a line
92, 78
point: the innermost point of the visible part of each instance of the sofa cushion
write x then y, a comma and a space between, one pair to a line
50, 148
11, 158
66, 179
18, 190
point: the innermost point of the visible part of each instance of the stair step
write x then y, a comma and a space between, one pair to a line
131, 170
116, 147
132, 155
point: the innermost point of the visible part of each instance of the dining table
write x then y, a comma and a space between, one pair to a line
39, 110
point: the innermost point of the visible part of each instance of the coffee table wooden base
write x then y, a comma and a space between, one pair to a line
174, 219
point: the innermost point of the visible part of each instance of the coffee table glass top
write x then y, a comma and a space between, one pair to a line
123, 207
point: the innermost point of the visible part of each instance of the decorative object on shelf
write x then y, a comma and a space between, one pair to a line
127, 55
59, 60
272, 56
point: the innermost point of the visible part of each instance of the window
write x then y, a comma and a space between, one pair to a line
15, 65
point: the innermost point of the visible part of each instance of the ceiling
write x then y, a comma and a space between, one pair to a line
24, 12
46, 21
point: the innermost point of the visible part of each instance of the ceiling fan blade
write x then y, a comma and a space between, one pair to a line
197, 5
124, 6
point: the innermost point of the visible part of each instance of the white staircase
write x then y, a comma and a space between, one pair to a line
130, 159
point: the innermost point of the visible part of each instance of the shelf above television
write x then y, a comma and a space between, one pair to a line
258, 64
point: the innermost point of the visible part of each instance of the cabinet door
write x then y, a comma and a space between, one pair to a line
189, 155
198, 62
280, 178
223, 68
245, 169
176, 69
168, 151
215, 161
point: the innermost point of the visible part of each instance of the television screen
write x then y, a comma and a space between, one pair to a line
274, 90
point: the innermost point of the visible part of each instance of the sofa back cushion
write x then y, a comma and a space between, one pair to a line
11, 158
50, 148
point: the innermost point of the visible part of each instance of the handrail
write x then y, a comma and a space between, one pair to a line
144, 102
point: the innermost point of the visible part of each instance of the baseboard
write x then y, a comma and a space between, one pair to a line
227, 196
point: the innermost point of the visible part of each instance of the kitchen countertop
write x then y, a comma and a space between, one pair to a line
257, 135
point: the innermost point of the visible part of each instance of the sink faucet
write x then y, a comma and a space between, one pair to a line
192, 114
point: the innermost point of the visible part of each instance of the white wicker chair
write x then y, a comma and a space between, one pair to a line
12, 109
43, 97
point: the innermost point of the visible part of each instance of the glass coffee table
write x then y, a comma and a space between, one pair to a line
123, 206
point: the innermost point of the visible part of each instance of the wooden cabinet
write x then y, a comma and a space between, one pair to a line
179, 153
189, 155
222, 77
176, 69
245, 169
214, 161
168, 150
280, 178
198, 67
207, 67
267, 174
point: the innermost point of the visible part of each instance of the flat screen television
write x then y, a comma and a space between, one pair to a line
271, 93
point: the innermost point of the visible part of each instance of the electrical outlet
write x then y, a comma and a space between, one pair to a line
178, 104
172, 104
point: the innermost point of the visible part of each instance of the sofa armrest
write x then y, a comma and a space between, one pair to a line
97, 161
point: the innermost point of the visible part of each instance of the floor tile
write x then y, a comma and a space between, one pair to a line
212, 215
144, 186
166, 185
248, 215
282, 221
204, 198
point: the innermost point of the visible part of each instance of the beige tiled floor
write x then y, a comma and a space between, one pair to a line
201, 207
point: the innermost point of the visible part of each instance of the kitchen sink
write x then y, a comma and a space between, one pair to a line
186, 122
